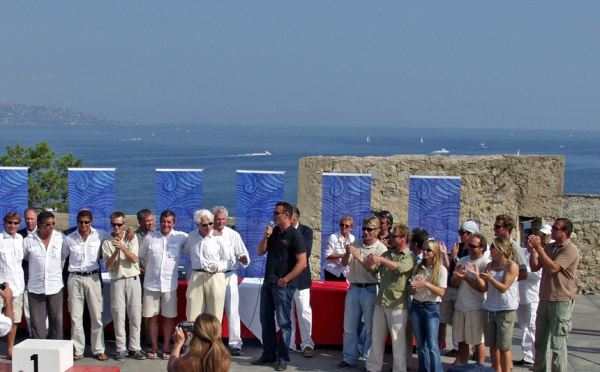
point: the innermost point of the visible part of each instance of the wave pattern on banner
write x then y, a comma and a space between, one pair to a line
181, 192
434, 205
344, 195
13, 192
256, 196
93, 190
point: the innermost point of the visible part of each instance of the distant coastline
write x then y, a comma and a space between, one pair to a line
14, 113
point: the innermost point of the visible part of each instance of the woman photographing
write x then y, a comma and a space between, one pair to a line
205, 352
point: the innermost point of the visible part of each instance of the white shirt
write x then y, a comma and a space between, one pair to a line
236, 245
84, 255
5, 325
208, 251
335, 244
11, 257
163, 259
45, 264
529, 289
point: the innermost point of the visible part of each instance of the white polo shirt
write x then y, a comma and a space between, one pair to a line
163, 259
45, 264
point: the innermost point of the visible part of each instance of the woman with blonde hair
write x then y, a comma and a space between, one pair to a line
430, 279
500, 306
205, 352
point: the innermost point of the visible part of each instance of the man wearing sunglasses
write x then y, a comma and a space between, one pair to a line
83, 247
11, 271
211, 257
286, 260
503, 227
558, 286
467, 323
360, 299
121, 260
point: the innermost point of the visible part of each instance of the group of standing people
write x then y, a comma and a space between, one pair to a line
405, 283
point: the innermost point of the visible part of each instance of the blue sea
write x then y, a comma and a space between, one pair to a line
137, 150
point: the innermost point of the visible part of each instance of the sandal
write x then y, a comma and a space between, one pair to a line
166, 354
152, 354
101, 357
77, 357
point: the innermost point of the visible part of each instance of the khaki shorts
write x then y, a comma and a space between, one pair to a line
447, 305
155, 301
498, 328
17, 308
467, 327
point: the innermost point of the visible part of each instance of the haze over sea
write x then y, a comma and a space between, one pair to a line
137, 150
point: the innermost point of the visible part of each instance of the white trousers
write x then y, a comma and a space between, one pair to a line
86, 288
526, 315
302, 304
232, 306
207, 290
126, 297
393, 321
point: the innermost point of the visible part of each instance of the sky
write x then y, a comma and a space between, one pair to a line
513, 64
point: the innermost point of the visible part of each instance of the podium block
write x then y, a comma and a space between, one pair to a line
43, 355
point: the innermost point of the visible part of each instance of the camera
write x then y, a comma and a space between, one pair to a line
2, 286
186, 326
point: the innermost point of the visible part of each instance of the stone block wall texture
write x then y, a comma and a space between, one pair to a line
521, 186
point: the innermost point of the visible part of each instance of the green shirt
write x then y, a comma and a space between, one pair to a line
393, 288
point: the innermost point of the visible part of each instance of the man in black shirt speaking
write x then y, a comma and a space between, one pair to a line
286, 260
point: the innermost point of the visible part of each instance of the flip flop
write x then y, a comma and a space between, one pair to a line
152, 355
77, 357
166, 355
101, 357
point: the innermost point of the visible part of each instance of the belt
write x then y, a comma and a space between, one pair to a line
230, 271
84, 273
424, 303
201, 271
363, 285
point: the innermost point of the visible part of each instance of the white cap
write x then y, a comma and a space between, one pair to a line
546, 229
470, 226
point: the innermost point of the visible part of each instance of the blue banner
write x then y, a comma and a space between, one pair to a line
92, 189
256, 195
344, 194
13, 192
179, 190
434, 205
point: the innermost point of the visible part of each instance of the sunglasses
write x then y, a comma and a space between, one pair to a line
499, 226
473, 246
369, 229
206, 224
344, 225
47, 224
12, 222
461, 232
84, 222
428, 250
277, 213
117, 224
555, 228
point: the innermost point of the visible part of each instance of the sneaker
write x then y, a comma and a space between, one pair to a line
282, 366
344, 364
261, 361
451, 354
139, 355
121, 355
308, 352
522, 362
236, 351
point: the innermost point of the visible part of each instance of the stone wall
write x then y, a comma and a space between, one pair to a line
522, 186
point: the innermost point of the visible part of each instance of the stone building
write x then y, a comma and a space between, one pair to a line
522, 186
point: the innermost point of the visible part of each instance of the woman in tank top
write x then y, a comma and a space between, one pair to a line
429, 282
501, 303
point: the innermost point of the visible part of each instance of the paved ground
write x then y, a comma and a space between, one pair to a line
584, 350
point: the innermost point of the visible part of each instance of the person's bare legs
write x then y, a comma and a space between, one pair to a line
495, 357
462, 356
506, 360
480, 354
10, 341
153, 331
168, 327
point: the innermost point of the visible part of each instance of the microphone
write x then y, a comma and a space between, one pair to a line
272, 224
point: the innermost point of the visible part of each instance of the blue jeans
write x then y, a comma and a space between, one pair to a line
426, 323
360, 303
276, 301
